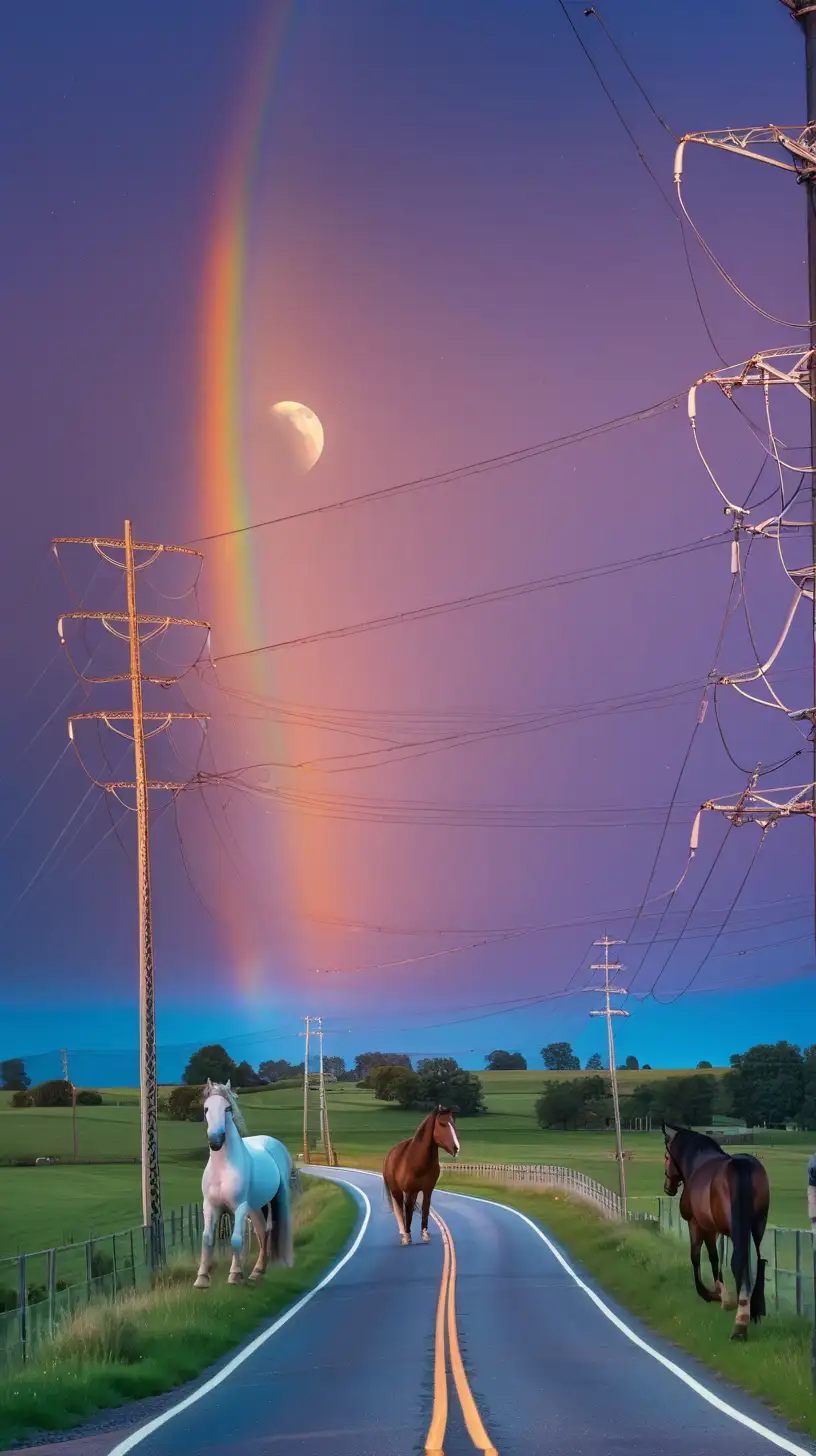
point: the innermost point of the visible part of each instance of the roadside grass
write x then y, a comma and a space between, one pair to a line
650, 1274
147, 1343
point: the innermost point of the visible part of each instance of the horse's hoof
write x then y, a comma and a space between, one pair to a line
405, 1240
729, 1304
740, 1333
202, 1282
235, 1279
426, 1238
255, 1276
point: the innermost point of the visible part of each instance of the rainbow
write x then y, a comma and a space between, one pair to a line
232, 566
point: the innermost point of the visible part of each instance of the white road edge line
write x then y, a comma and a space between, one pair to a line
721, 1405
139, 1435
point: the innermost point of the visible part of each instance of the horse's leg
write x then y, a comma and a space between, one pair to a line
259, 1224
426, 1210
236, 1273
397, 1206
696, 1248
410, 1205
720, 1292
743, 1292
207, 1241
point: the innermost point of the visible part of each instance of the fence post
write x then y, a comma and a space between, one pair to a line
52, 1288
798, 1272
115, 1269
23, 1305
88, 1267
132, 1259
776, 1268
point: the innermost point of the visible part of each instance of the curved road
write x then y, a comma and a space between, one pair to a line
488, 1340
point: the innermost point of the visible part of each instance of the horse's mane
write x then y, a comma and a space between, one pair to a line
231, 1098
686, 1137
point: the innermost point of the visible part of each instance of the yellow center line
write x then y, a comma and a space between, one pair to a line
476, 1430
439, 1419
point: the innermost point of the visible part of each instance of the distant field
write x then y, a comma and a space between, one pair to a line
39, 1206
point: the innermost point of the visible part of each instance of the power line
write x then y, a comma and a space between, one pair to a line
457, 604
456, 473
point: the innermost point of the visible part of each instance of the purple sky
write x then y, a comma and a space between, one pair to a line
455, 252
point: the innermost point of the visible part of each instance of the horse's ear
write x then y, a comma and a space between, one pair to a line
208, 1088
229, 1084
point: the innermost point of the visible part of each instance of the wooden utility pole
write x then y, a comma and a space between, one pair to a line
306, 1156
609, 1011
324, 1109
67, 1077
115, 622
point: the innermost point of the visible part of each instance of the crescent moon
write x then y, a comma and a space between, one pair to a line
308, 426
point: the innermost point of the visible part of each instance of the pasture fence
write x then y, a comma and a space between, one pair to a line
789, 1254
38, 1291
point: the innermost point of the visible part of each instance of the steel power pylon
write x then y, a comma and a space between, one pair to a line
116, 623
608, 1012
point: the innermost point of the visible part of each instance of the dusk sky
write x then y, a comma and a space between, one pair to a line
426, 222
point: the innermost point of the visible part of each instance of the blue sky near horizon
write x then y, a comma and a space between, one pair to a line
454, 251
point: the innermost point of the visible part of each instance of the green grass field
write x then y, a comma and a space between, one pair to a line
46, 1205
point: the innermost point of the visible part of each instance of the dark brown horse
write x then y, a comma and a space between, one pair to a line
722, 1195
412, 1167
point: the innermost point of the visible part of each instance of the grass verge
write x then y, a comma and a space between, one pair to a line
147, 1343
650, 1274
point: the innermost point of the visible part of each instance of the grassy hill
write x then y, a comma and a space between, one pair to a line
42, 1205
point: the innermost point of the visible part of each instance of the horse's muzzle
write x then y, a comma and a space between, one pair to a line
216, 1143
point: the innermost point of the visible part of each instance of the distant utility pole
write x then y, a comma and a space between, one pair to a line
324, 1110
609, 1011
133, 621
66, 1076
306, 1157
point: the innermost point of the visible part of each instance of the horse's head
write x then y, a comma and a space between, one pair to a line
217, 1108
445, 1131
673, 1175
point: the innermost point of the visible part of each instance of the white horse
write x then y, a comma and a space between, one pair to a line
251, 1176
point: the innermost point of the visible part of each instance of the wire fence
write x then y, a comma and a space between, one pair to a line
39, 1291
790, 1254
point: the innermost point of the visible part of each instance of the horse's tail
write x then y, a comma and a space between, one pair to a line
742, 1210
281, 1233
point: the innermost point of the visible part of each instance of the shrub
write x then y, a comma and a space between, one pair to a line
111, 1333
53, 1094
88, 1097
185, 1104
22, 1099
101, 1264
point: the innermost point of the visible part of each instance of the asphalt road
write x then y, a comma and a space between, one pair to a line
483, 1340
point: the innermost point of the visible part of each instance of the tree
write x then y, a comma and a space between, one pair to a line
631, 1065
366, 1060
245, 1076
442, 1082
382, 1080
686, 1101
766, 1084
578, 1102
334, 1066
594, 1063
645, 1067
53, 1094
89, 1097
279, 1070
186, 1104
505, 1062
13, 1075
806, 1116
558, 1056
406, 1088
210, 1062
703, 1066
642, 1100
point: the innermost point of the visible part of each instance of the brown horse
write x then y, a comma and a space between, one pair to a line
412, 1167
722, 1195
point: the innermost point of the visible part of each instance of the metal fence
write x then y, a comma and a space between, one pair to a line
790, 1254
38, 1291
